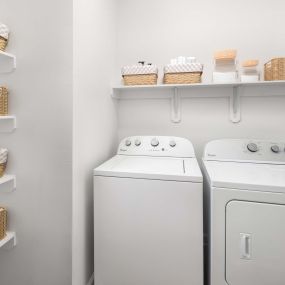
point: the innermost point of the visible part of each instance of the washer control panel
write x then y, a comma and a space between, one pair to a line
245, 150
156, 146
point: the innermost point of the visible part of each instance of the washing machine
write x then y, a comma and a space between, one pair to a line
245, 186
148, 214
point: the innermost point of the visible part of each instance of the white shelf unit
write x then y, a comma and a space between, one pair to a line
7, 62
7, 183
234, 91
7, 124
9, 241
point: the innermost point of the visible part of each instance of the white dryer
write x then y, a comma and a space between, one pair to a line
245, 180
148, 214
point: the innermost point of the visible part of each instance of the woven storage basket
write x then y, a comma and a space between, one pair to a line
3, 160
140, 79
3, 101
3, 222
3, 43
274, 69
4, 36
2, 168
182, 78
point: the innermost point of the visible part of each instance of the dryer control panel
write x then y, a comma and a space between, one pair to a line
156, 146
246, 150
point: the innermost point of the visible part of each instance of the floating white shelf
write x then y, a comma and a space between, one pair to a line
9, 241
7, 62
176, 92
7, 183
7, 124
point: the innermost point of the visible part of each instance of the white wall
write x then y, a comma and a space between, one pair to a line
156, 31
95, 129
40, 148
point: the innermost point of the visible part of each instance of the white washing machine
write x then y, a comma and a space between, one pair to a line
245, 180
148, 214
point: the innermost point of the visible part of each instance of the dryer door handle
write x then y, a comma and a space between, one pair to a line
245, 246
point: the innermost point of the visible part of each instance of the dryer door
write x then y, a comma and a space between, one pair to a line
255, 243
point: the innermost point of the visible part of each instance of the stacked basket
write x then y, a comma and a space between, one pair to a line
4, 36
183, 73
140, 74
3, 222
275, 69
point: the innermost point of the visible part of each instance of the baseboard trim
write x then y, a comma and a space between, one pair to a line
91, 280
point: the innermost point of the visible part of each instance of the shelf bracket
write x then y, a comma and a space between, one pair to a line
176, 107
235, 113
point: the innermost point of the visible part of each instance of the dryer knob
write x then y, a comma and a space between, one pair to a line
252, 147
275, 148
128, 142
137, 142
172, 143
154, 142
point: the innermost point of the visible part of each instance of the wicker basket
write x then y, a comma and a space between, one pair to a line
3, 222
3, 101
274, 69
140, 79
182, 78
2, 168
3, 43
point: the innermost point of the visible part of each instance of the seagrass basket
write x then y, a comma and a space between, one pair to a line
4, 36
3, 223
3, 43
274, 69
3, 101
182, 78
3, 160
140, 79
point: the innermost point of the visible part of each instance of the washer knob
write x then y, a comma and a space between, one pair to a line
252, 147
137, 142
154, 142
172, 143
128, 142
275, 148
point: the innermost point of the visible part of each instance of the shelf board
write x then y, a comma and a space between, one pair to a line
7, 183
9, 241
233, 91
7, 62
119, 90
7, 124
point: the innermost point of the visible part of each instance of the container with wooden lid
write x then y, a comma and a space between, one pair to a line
225, 66
250, 72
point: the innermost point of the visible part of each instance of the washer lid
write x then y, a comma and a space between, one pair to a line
246, 176
145, 167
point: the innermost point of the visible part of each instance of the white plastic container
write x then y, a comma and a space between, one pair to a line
225, 77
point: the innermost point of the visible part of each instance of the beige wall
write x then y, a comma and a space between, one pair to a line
156, 31
95, 122
40, 148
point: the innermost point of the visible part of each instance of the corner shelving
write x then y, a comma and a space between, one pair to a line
7, 62
172, 92
9, 241
7, 124
7, 183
